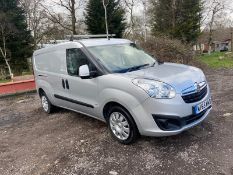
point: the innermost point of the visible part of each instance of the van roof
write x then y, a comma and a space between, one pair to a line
103, 41
85, 42
55, 47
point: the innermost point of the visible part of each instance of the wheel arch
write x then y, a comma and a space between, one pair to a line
41, 91
45, 87
110, 104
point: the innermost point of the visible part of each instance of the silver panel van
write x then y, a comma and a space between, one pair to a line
118, 83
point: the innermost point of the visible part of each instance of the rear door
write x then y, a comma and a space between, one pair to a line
57, 75
50, 69
81, 93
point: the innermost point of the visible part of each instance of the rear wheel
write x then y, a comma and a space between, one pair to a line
46, 104
122, 125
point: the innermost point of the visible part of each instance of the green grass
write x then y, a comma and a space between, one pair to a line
4, 81
218, 60
27, 73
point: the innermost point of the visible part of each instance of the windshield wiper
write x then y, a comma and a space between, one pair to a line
136, 67
153, 64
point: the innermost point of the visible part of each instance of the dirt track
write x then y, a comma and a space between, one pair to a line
32, 142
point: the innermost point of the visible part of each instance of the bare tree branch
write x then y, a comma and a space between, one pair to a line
72, 6
130, 5
55, 18
217, 6
6, 29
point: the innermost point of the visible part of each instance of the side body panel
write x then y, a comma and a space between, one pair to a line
50, 69
84, 92
119, 89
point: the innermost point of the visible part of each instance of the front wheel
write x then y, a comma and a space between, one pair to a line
122, 125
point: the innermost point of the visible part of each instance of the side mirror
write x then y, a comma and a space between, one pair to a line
84, 71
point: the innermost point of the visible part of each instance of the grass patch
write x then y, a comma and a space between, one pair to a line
218, 60
26, 73
5, 81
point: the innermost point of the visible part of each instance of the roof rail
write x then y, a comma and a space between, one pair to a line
77, 37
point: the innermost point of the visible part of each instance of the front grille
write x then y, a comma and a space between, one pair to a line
195, 97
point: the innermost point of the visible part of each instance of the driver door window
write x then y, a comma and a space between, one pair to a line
75, 58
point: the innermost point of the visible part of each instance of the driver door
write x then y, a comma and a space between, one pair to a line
81, 93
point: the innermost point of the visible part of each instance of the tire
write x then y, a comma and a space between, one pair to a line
46, 104
122, 126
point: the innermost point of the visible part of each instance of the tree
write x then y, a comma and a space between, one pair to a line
216, 7
130, 6
177, 19
15, 38
95, 17
72, 6
189, 16
137, 15
6, 29
105, 4
161, 17
145, 10
36, 19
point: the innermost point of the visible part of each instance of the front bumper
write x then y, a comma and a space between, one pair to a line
176, 110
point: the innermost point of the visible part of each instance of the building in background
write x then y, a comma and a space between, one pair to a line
216, 46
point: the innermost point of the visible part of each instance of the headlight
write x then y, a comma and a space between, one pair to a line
156, 89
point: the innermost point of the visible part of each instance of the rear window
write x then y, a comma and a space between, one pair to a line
51, 62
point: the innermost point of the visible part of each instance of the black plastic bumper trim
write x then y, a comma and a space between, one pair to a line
172, 123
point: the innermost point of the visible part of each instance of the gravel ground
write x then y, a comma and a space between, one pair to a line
67, 143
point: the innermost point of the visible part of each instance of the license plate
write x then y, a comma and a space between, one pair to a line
202, 106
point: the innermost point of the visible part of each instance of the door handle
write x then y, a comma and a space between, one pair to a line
41, 75
67, 85
63, 84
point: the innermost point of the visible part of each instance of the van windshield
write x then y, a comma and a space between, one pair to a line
122, 58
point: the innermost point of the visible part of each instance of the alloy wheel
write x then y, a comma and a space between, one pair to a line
119, 126
45, 103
